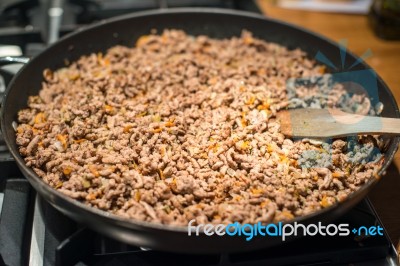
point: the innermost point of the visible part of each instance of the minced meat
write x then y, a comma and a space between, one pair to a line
181, 127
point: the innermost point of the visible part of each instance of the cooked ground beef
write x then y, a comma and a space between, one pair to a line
180, 128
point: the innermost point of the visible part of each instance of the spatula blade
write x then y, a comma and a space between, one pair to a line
325, 123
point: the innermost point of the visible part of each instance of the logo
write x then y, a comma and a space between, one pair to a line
249, 231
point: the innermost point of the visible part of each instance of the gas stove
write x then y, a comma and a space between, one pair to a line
32, 232
30, 24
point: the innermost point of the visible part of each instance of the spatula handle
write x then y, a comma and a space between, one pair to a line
330, 123
376, 125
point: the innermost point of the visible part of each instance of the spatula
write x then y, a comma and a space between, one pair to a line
329, 123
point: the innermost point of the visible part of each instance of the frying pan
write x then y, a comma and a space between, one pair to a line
125, 30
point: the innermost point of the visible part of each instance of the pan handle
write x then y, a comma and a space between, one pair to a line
7, 60
8, 73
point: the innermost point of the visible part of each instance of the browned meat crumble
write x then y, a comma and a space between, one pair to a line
180, 128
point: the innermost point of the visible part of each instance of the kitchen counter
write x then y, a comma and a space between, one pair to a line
385, 61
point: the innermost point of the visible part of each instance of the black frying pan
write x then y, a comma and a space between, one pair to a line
126, 30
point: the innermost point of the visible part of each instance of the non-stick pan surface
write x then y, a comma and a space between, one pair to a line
126, 30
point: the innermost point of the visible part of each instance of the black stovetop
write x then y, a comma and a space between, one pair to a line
25, 22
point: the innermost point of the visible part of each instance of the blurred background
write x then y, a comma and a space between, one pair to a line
27, 26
